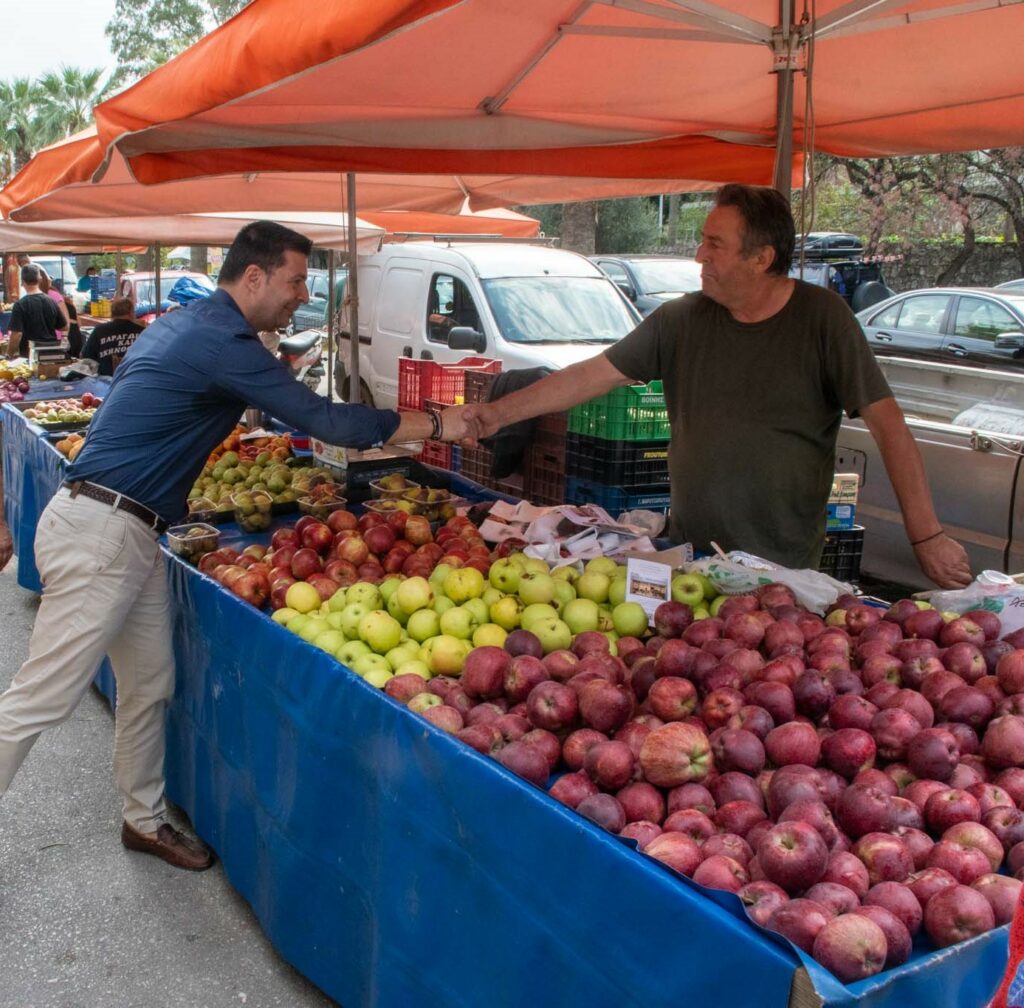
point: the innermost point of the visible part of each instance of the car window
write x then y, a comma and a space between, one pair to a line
317, 285
668, 276
450, 305
615, 270
887, 319
979, 318
923, 313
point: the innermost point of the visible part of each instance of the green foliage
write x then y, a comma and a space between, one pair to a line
627, 225
145, 34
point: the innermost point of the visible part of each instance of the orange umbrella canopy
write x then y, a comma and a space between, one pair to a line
637, 89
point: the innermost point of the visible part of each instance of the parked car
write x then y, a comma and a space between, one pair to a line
140, 289
650, 280
1017, 285
965, 325
829, 245
313, 314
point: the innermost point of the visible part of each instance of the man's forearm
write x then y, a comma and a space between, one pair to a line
905, 467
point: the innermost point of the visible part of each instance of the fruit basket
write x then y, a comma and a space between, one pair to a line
192, 541
321, 507
393, 486
253, 511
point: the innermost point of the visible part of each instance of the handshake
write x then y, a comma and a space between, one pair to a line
468, 424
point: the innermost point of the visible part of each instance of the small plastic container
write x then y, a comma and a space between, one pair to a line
385, 507
321, 507
202, 509
252, 511
193, 540
433, 507
398, 493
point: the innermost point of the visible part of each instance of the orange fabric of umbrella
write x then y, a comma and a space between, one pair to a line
599, 88
506, 223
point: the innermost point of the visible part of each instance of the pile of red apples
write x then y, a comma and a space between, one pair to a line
856, 779
343, 550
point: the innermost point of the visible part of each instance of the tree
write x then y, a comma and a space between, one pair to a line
20, 132
65, 100
145, 34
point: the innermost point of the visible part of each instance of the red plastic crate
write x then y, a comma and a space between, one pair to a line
419, 380
437, 453
409, 394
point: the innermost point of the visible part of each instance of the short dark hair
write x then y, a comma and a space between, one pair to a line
90, 270
57, 285
263, 244
30, 274
767, 220
121, 306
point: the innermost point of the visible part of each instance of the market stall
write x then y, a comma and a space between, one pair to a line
357, 830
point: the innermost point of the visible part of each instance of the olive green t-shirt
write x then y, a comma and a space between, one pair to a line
754, 409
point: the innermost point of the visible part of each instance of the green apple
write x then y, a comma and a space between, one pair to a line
442, 604
504, 575
302, 597
580, 614
613, 647
491, 595
710, 591
629, 619
437, 576
687, 588
464, 584
350, 617
537, 611
388, 587
536, 587
478, 610
283, 615
335, 621
315, 626
568, 573
553, 634
351, 650
593, 585
366, 594
458, 622
338, 601
564, 593
617, 591
424, 701
378, 677
296, 623
370, 664
920, 603
329, 640
406, 651
534, 565
412, 594
447, 655
413, 667
380, 630
422, 624
506, 612
601, 565
489, 635
394, 609
701, 612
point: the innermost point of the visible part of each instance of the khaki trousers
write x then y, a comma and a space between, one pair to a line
104, 593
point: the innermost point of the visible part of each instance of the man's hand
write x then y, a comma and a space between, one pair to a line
6, 545
944, 561
485, 419
458, 424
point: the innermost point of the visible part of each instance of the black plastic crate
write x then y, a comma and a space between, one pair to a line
632, 463
842, 553
616, 499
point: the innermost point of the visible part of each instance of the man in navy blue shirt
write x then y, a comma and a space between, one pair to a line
179, 391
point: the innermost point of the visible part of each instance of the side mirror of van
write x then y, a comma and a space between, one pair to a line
1010, 341
467, 338
627, 288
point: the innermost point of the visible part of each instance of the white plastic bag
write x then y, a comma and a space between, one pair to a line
742, 572
998, 593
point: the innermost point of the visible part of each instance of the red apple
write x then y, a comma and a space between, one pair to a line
955, 914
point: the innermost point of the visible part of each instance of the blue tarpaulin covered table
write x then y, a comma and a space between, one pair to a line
398, 868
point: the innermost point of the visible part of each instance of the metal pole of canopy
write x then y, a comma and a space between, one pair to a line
332, 310
156, 273
785, 48
352, 295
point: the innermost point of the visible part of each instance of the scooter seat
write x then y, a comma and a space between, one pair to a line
295, 346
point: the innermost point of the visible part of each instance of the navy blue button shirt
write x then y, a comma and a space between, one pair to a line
179, 392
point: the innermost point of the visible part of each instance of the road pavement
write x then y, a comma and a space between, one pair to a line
85, 923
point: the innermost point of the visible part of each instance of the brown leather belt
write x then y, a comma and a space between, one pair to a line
118, 502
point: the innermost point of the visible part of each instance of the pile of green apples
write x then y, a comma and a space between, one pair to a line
429, 625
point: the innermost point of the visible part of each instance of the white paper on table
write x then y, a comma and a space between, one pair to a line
649, 583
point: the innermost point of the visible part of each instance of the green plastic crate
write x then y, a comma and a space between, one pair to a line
631, 413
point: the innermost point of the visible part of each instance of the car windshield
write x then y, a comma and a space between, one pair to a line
554, 309
144, 288
667, 275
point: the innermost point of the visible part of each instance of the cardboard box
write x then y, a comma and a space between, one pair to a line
840, 517
844, 488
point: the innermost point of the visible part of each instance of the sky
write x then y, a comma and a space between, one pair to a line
68, 32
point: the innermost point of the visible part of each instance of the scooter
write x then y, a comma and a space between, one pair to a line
303, 354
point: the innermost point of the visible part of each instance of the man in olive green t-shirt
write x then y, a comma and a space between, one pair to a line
758, 369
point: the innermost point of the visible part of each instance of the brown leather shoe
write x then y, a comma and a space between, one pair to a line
171, 845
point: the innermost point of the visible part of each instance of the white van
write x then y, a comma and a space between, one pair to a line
525, 305
57, 267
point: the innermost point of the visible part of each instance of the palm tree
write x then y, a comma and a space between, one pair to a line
20, 133
66, 99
